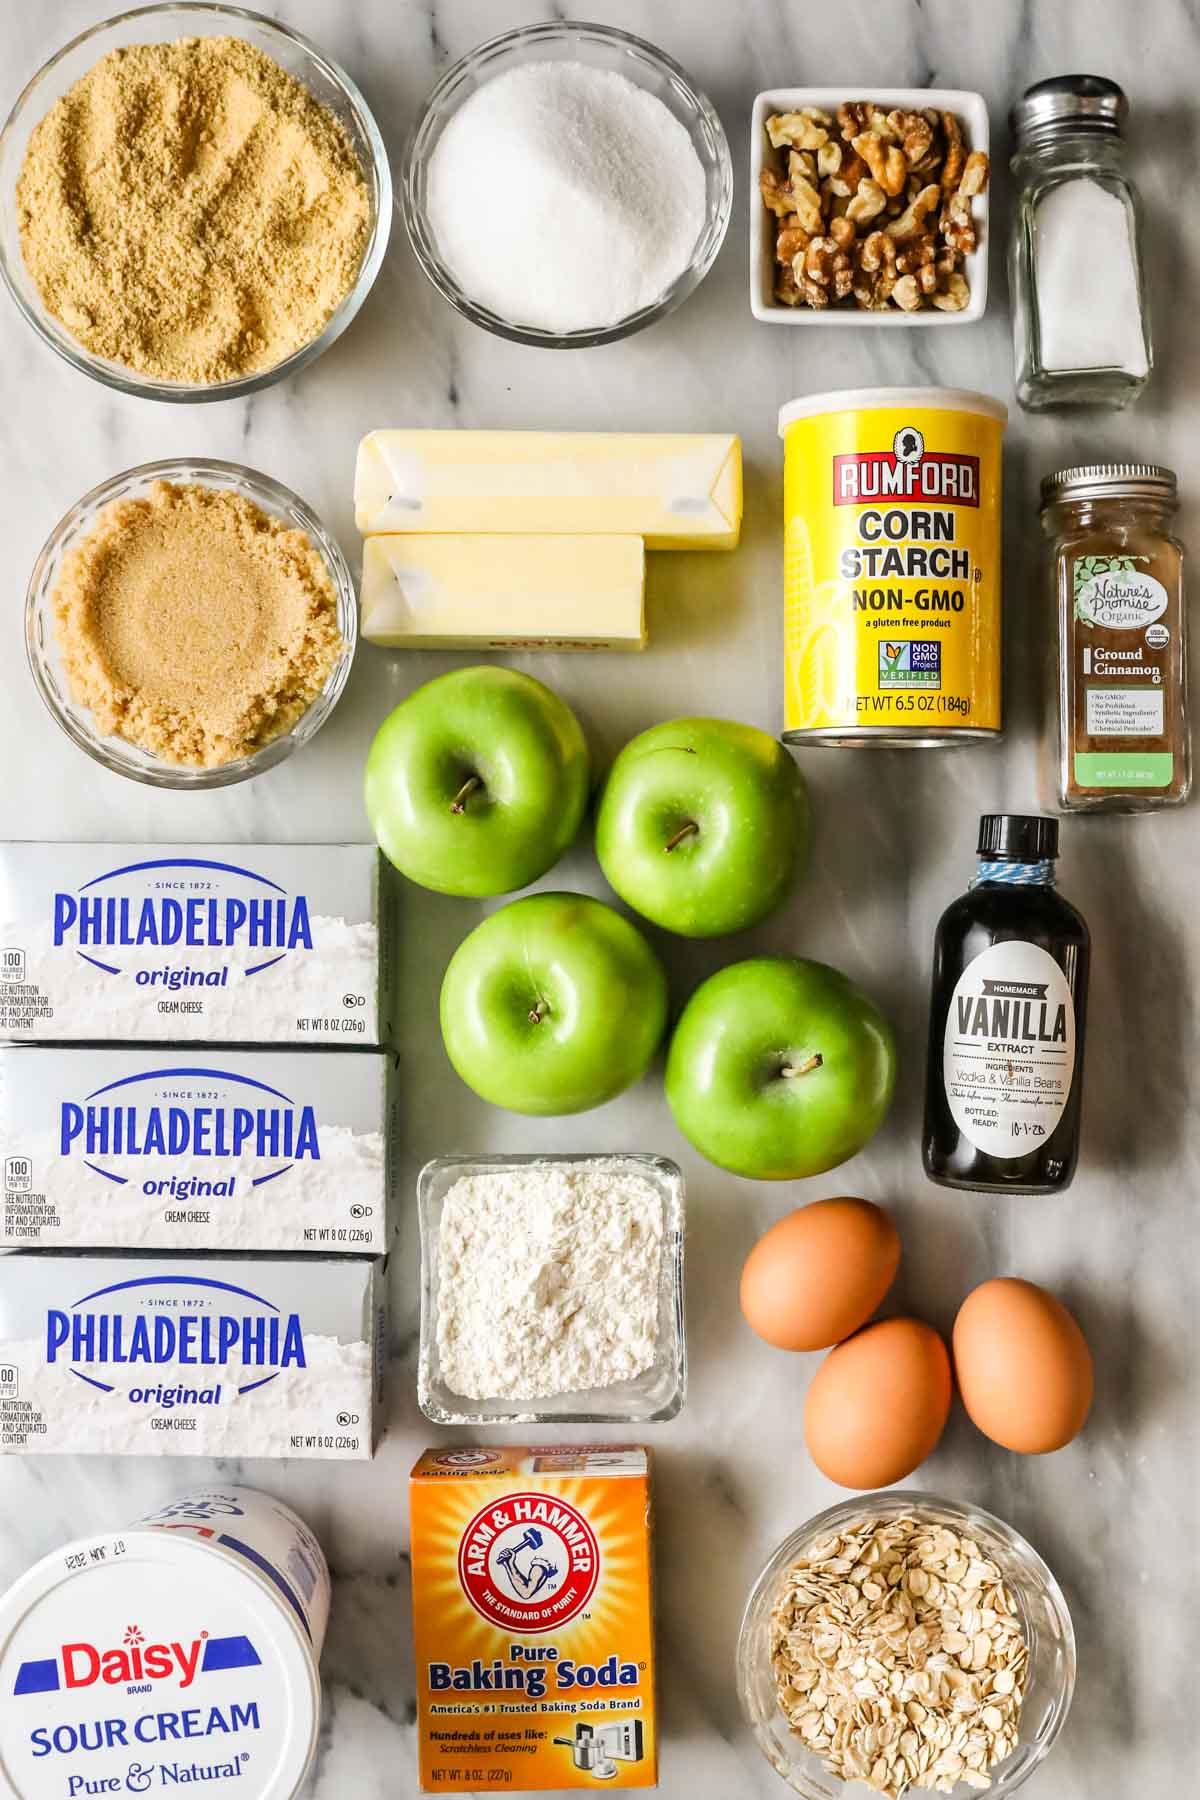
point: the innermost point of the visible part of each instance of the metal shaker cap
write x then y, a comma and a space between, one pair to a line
1065, 104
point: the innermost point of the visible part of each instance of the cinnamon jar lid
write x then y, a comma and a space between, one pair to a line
1110, 481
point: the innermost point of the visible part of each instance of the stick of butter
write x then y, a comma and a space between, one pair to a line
680, 491
491, 592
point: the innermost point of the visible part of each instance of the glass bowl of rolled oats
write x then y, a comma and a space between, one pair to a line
870, 208
901, 1644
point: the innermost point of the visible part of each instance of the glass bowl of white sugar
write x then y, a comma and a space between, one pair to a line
551, 1290
566, 185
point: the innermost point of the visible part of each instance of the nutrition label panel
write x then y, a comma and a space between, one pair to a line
22, 1004
28, 1213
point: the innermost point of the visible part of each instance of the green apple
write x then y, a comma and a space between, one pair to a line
554, 1004
478, 782
702, 825
780, 1068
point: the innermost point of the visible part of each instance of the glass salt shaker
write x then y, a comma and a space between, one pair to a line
1081, 334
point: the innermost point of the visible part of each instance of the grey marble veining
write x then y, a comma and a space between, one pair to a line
1116, 1515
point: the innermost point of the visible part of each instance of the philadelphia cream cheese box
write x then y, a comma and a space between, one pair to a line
198, 943
195, 1150
177, 1653
144, 1355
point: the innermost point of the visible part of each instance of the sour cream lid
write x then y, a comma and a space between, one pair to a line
152, 1657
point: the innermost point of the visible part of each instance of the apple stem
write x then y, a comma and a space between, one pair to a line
805, 1068
537, 1013
459, 802
685, 831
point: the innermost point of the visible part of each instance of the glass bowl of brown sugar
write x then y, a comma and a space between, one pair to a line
86, 679
250, 266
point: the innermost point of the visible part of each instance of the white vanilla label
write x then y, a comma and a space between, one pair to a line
1009, 1049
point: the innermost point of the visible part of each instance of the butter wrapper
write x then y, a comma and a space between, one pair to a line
143, 1355
445, 592
677, 490
261, 1150
194, 943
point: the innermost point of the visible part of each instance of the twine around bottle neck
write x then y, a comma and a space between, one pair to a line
1016, 874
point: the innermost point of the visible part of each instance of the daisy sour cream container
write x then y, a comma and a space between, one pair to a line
178, 1653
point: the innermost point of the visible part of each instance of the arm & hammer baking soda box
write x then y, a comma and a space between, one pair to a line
534, 1618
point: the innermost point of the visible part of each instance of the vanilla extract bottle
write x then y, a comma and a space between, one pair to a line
1006, 1023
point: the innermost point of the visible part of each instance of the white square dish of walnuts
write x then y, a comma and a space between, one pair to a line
869, 208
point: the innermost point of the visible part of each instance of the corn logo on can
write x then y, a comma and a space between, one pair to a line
892, 627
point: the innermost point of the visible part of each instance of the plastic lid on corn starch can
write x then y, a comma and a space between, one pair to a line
180, 1651
934, 399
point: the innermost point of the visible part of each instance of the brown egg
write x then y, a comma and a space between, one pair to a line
1024, 1369
878, 1404
817, 1275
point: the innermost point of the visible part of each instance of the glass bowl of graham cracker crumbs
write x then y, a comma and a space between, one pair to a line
201, 263
190, 623
900, 1643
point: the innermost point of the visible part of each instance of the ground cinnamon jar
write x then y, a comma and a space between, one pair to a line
1123, 743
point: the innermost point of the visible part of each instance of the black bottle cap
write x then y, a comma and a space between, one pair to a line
1018, 837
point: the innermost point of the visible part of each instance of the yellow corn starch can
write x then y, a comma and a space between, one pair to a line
891, 575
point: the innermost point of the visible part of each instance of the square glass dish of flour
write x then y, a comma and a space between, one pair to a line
595, 1242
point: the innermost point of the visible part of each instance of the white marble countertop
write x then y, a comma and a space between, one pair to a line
1116, 1514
